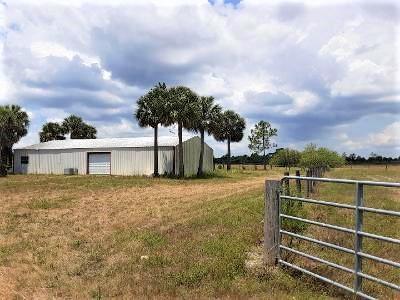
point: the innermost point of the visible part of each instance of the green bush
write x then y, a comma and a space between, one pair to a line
313, 157
286, 158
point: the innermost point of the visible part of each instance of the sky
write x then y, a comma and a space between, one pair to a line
325, 72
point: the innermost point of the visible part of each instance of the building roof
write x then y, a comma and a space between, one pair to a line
105, 143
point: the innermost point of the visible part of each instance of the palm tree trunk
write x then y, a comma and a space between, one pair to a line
180, 150
155, 173
200, 169
228, 165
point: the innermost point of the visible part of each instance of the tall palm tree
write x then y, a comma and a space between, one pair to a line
183, 110
151, 111
230, 128
78, 128
14, 124
52, 131
206, 122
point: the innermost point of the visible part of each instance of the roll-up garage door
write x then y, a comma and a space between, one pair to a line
100, 163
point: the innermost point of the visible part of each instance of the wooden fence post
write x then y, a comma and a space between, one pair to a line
308, 183
271, 222
298, 182
286, 184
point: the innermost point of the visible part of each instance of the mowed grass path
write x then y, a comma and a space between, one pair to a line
133, 237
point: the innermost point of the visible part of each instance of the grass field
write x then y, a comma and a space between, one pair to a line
125, 237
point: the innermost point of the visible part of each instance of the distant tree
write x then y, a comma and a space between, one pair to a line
206, 122
78, 129
183, 110
14, 124
230, 128
151, 112
260, 139
52, 131
286, 158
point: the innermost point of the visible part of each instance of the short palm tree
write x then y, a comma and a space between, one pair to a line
206, 122
230, 128
78, 128
52, 131
183, 110
151, 112
14, 124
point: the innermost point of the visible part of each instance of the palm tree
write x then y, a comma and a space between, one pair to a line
52, 131
183, 110
78, 128
151, 111
207, 116
230, 128
14, 124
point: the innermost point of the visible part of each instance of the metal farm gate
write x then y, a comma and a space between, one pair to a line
277, 193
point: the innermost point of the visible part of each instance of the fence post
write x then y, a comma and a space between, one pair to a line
308, 182
298, 182
271, 222
286, 184
359, 202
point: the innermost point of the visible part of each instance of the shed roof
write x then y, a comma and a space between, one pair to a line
105, 143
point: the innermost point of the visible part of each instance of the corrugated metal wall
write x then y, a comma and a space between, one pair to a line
140, 161
191, 155
50, 161
124, 161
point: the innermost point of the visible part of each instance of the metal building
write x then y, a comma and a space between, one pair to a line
111, 156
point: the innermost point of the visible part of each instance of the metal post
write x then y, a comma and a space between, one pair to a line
271, 222
359, 202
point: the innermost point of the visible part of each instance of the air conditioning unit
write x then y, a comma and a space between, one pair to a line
71, 171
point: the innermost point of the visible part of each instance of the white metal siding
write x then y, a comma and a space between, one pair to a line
140, 161
124, 161
191, 156
99, 163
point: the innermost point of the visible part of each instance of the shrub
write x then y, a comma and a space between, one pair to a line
320, 157
286, 158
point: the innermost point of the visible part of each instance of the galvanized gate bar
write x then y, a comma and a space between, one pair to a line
318, 201
383, 282
381, 211
327, 280
358, 233
306, 238
380, 259
343, 229
331, 264
379, 237
358, 221
348, 181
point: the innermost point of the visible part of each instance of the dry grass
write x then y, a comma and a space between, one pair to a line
83, 237
133, 237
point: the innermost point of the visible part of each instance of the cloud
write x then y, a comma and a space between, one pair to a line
388, 137
306, 67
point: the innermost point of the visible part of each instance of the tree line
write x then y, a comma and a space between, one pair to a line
180, 106
312, 156
373, 158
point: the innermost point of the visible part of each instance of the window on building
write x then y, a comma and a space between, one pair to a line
24, 160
